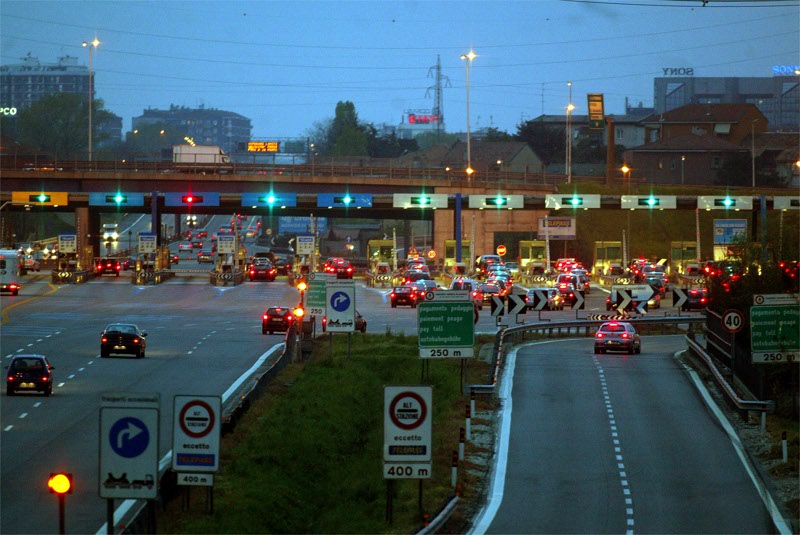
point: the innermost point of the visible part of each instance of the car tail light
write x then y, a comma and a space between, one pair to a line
266, 316
273, 271
391, 294
349, 270
99, 266
45, 378
474, 294
118, 267
13, 286
136, 340
289, 318
624, 335
703, 300
599, 335
612, 324
104, 339
252, 272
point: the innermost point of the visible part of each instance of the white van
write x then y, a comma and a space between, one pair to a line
10, 269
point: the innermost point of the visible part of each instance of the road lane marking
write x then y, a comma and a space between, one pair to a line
59, 385
37, 404
71, 376
23, 415
5, 318
81, 369
188, 352
40, 339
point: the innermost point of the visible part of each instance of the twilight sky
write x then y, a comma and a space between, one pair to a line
286, 64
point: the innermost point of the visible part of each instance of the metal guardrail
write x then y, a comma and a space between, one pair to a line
742, 405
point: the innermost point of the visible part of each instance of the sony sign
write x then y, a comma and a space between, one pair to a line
782, 70
678, 71
8, 111
422, 119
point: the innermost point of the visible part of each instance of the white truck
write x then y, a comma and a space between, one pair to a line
200, 158
11, 268
110, 232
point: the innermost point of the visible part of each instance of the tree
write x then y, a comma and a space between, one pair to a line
389, 146
59, 123
549, 142
429, 139
148, 141
495, 134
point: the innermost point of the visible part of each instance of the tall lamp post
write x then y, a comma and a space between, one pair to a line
753, 150
468, 57
570, 107
683, 160
91, 46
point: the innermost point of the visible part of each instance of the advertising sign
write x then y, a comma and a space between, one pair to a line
68, 243
558, 228
407, 436
596, 113
147, 243
304, 245
726, 231
196, 433
340, 306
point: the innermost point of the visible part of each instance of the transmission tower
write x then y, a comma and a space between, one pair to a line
435, 72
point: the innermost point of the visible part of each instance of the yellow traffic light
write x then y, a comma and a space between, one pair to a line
302, 286
60, 483
299, 312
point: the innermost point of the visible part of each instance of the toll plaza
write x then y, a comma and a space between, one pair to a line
230, 260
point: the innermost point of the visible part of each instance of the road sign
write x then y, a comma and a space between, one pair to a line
775, 334
498, 305
413, 251
446, 329
315, 296
196, 480
406, 470
431, 253
539, 299
679, 297
407, 423
596, 112
501, 250
733, 321
67, 243
148, 243
580, 302
557, 202
340, 306
727, 231
226, 244
196, 433
624, 295
450, 296
128, 452
516, 305
776, 299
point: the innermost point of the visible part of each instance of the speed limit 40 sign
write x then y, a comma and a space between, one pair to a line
733, 321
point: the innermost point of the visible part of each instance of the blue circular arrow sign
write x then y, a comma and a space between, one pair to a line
129, 437
340, 301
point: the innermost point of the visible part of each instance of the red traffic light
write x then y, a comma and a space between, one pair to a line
192, 199
60, 483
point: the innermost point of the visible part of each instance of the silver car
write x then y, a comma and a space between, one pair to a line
617, 336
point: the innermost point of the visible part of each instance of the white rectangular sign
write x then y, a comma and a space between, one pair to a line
419, 200
340, 306
576, 201
67, 243
558, 228
196, 433
197, 480
305, 245
147, 243
497, 201
407, 470
776, 299
226, 244
128, 453
448, 296
407, 417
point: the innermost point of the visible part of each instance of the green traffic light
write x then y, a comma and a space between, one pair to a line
575, 201
727, 201
499, 201
118, 199
347, 199
43, 198
271, 199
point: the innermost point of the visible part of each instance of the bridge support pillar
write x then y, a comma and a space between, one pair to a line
87, 227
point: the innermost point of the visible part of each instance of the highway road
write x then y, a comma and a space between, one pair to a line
616, 444
201, 339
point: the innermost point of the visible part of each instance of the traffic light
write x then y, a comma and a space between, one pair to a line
346, 200
727, 202
573, 201
500, 201
192, 199
269, 199
117, 199
299, 312
60, 483
420, 200
39, 198
650, 202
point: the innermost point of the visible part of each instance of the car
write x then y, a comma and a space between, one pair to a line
185, 246
484, 261
654, 270
564, 265
655, 300
128, 263
262, 269
108, 265
404, 295
29, 373
415, 276
277, 319
696, 299
617, 336
555, 301
567, 291
202, 234
123, 339
490, 290
343, 269
31, 264
473, 286
361, 323
657, 284
503, 283
579, 282
205, 256
513, 268
197, 244
174, 259
429, 284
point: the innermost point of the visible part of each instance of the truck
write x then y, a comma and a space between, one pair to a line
110, 232
11, 268
200, 158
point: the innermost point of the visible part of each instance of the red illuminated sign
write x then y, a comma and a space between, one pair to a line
422, 119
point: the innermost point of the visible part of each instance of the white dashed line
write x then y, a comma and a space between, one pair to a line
59, 385
71, 376
23, 415
29, 345
40, 339
8, 428
188, 352
38, 403
19, 350
90, 362
48, 336
81, 369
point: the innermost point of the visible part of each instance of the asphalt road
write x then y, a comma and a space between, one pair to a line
618, 444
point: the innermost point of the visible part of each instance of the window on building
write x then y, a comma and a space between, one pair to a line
620, 134
716, 162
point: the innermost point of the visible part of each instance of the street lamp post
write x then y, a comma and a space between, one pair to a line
753, 150
468, 57
91, 46
683, 159
570, 107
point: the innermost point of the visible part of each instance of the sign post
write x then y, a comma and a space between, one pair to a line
445, 324
196, 435
774, 333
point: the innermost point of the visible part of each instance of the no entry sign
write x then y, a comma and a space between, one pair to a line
196, 433
407, 423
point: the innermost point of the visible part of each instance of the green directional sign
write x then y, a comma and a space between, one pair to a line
315, 297
446, 329
775, 334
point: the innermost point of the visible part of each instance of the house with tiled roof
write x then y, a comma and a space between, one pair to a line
485, 156
709, 144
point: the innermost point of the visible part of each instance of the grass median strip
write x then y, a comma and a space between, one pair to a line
307, 456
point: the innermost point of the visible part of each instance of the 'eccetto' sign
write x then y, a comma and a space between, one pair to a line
8, 111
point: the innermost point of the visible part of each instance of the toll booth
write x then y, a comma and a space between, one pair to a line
681, 254
230, 260
606, 253
532, 256
449, 257
379, 251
